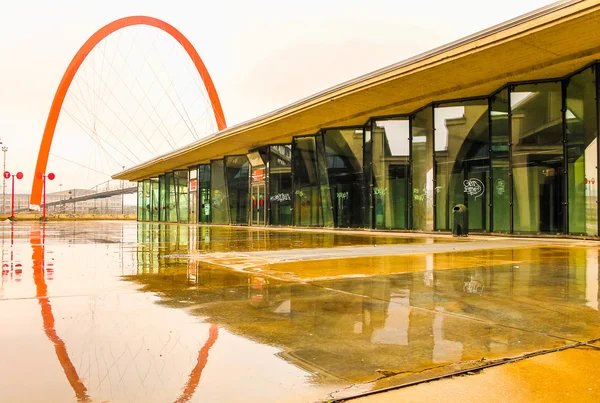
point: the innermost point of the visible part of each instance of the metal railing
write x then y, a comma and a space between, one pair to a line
104, 198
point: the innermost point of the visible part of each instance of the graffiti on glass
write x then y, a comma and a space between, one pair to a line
417, 195
500, 187
474, 187
281, 197
427, 194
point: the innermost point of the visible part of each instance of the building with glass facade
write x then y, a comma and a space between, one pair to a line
504, 121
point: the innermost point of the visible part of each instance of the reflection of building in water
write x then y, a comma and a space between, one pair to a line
444, 350
591, 279
395, 328
428, 273
350, 328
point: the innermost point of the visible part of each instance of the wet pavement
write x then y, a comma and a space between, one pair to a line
569, 375
120, 311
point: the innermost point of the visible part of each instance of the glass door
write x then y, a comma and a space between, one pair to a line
537, 158
204, 205
193, 200
258, 204
475, 188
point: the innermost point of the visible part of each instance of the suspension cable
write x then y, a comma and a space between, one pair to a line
172, 145
80, 165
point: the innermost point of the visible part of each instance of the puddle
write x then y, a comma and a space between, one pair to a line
125, 311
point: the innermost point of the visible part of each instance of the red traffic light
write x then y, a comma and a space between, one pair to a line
51, 176
6, 175
19, 175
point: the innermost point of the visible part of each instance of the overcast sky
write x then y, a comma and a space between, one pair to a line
262, 54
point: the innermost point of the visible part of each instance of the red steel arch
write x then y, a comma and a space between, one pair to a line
88, 46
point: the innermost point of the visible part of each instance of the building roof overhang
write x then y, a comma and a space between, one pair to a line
547, 43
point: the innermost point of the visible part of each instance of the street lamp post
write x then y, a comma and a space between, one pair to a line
4, 150
50, 176
7, 175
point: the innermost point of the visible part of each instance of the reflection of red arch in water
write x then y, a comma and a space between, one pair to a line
88, 46
48, 317
194, 378
36, 240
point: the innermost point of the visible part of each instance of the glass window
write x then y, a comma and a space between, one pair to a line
500, 181
422, 165
280, 184
140, 201
344, 153
193, 207
537, 158
326, 204
204, 194
171, 205
237, 188
462, 162
259, 205
582, 152
306, 198
391, 149
193, 195
368, 175
181, 187
154, 201
147, 201
219, 203
162, 198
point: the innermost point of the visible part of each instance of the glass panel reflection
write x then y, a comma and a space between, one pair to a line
140, 201
218, 198
422, 165
368, 175
582, 152
238, 168
193, 195
307, 200
204, 194
500, 162
391, 171
538, 172
344, 151
171, 197
462, 162
181, 191
280, 184
154, 201
325, 193
162, 198
146, 201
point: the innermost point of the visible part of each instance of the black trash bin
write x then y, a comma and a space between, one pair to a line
461, 220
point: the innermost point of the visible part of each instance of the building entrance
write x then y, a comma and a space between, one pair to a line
390, 198
257, 195
538, 201
551, 217
537, 158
